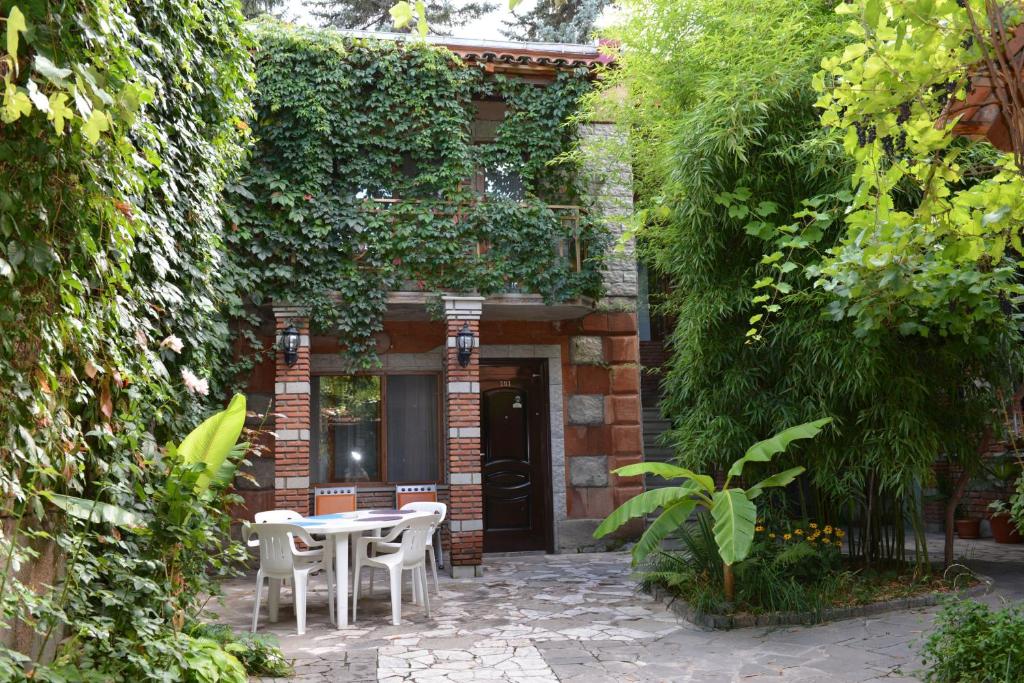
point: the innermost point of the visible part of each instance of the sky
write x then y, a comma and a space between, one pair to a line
488, 27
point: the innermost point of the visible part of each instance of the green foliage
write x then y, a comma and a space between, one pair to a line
111, 243
210, 444
1017, 504
258, 653
358, 183
790, 568
776, 577
732, 509
727, 149
973, 643
932, 231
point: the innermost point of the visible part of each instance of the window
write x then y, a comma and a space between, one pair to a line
502, 180
375, 428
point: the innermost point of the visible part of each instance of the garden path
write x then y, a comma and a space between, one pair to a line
578, 618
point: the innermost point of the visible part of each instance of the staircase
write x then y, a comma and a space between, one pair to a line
654, 426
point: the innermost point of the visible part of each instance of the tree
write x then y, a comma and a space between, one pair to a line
561, 21
375, 15
932, 242
254, 8
727, 148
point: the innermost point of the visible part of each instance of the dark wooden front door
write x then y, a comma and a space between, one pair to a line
516, 469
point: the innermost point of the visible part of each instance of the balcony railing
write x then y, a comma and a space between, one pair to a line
569, 247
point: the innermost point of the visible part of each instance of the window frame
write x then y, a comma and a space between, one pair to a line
382, 456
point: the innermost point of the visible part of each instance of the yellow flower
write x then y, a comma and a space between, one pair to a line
813, 525
840, 533
828, 530
786, 537
771, 535
758, 528
824, 541
799, 532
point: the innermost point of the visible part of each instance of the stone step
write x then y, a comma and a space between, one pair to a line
658, 454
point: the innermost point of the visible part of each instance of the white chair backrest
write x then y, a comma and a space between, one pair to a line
416, 534
439, 509
276, 516
277, 546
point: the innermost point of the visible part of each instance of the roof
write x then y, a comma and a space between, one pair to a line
508, 55
980, 113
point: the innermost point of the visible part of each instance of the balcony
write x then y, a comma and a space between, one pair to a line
409, 302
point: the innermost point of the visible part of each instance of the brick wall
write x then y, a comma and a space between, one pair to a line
980, 492
601, 377
292, 420
462, 406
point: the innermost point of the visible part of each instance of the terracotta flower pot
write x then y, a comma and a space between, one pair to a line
968, 528
1003, 529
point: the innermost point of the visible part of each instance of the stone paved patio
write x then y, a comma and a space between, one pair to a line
577, 618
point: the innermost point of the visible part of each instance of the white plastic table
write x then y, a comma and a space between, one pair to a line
340, 526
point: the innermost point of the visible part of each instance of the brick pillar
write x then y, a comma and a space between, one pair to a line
291, 424
462, 405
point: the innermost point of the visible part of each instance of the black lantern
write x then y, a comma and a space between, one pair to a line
464, 343
290, 344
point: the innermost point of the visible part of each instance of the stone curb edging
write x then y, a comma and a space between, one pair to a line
725, 622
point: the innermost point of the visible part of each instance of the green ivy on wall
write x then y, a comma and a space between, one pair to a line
361, 182
119, 125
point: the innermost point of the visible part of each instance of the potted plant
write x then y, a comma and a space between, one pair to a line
966, 525
1004, 470
1004, 530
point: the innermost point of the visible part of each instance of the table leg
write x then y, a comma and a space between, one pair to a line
341, 577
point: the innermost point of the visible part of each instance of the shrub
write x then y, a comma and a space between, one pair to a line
778, 576
258, 653
975, 644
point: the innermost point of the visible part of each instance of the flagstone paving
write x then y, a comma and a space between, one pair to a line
578, 618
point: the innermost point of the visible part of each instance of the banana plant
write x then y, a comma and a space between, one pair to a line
210, 444
732, 508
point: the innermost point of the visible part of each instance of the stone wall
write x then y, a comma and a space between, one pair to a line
611, 186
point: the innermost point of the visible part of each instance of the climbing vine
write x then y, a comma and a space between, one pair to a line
120, 122
366, 179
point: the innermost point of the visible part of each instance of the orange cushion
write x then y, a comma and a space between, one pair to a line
415, 497
335, 502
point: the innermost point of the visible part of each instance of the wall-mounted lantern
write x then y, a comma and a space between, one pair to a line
290, 344
464, 343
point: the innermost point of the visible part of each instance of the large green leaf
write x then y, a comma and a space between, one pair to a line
642, 505
94, 511
666, 471
673, 517
780, 479
735, 517
762, 451
211, 442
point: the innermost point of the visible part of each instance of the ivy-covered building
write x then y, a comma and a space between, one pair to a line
438, 227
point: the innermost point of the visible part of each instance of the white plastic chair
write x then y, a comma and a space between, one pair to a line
410, 556
280, 559
271, 516
439, 509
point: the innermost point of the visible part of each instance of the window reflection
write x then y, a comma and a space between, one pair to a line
349, 428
